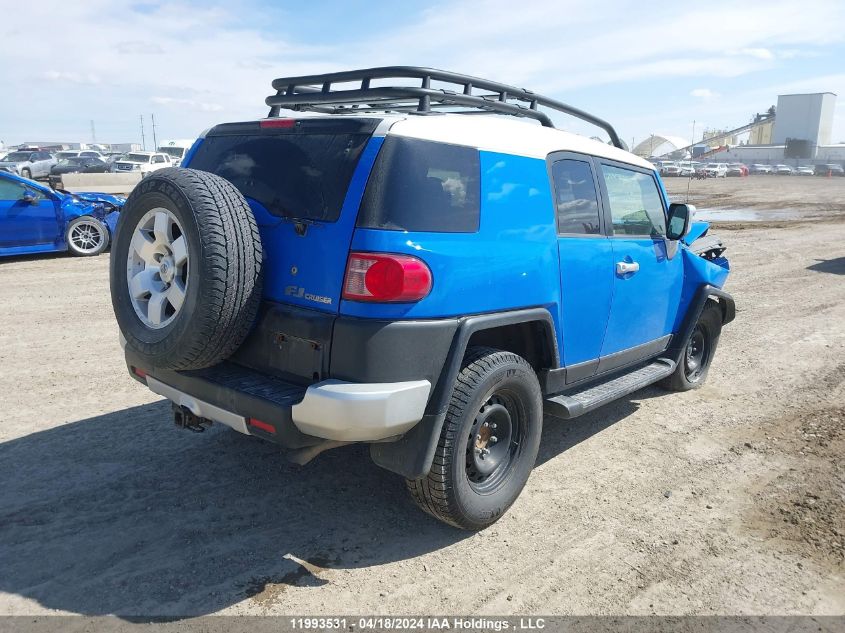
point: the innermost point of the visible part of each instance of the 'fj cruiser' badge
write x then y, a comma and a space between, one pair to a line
300, 293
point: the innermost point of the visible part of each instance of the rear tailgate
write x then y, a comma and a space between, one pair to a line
303, 179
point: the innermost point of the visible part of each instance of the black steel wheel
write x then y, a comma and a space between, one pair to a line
488, 443
694, 364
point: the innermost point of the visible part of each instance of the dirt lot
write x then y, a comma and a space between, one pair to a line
770, 199
729, 499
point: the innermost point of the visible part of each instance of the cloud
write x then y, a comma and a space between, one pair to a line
218, 60
138, 47
189, 103
703, 93
757, 53
72, 77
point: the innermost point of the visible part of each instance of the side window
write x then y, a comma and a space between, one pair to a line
636, 207
576, 200
158, 159
10, 190
421, 185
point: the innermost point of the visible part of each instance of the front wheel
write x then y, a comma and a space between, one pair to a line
87, 236
26, 173
488, 444
692, 369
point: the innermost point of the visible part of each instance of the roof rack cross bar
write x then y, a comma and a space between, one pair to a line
302, 94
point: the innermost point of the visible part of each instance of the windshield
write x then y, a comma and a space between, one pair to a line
175, 152
296, 176
15, 157
138, 158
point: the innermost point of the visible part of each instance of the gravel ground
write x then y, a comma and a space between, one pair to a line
724, 500
773, 200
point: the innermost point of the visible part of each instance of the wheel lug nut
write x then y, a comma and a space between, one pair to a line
493, 426
493, 439
478, 437
486, 424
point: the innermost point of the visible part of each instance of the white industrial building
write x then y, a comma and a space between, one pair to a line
799, 131
802, 134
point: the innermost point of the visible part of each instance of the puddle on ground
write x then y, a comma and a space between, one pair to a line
750, 215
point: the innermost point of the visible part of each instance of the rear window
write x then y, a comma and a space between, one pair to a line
302, 176
423, 186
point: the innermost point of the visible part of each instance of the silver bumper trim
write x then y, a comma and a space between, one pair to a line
347, 411
199, 408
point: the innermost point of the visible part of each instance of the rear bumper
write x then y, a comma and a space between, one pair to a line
354, 412
293, 415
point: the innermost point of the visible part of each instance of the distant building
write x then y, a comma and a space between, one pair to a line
762, 134
659, 145
125, 147
805, 117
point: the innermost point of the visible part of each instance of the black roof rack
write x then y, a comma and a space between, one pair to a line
471, 96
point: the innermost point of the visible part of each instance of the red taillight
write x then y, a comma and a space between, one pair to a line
283, 123
139, 372
385, 277
258, 424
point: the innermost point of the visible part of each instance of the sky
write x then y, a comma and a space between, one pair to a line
647, 67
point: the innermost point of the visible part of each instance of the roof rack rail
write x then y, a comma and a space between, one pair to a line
471, 96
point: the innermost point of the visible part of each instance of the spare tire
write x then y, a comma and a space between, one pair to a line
185, 269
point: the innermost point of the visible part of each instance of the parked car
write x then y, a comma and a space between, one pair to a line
830, 169
36, 219
76, 165
805, 170
111, 157
176, 149
761, 169
77, 153
395, 280
737, 169
29, 164
716, 170
679, 169
783, 170
666, 167
141, 162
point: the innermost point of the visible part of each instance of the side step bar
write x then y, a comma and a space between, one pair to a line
580, 402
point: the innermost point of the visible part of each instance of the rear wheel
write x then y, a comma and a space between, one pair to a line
692, 369
488, 444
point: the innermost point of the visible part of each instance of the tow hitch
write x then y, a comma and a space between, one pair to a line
182, 416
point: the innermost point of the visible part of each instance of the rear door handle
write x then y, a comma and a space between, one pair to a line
623, 268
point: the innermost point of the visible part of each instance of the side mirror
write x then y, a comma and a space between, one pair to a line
680, 216
29, 196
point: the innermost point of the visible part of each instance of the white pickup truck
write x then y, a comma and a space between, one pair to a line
142, 162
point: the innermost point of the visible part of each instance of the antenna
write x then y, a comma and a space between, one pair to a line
689, 180
155, 142
143, 138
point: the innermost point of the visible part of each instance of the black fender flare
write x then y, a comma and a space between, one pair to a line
411, 455
704, 292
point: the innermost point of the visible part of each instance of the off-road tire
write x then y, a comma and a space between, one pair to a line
487, 375
224, 275
687, 376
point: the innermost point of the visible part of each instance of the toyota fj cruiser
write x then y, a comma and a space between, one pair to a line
389, 269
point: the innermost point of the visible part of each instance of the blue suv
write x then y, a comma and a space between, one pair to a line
390, 269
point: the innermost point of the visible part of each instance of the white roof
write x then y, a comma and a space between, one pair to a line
506, 135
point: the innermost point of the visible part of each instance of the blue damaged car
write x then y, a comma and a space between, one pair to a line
411, 267
37, 219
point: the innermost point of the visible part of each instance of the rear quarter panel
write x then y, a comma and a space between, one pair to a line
510, 263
